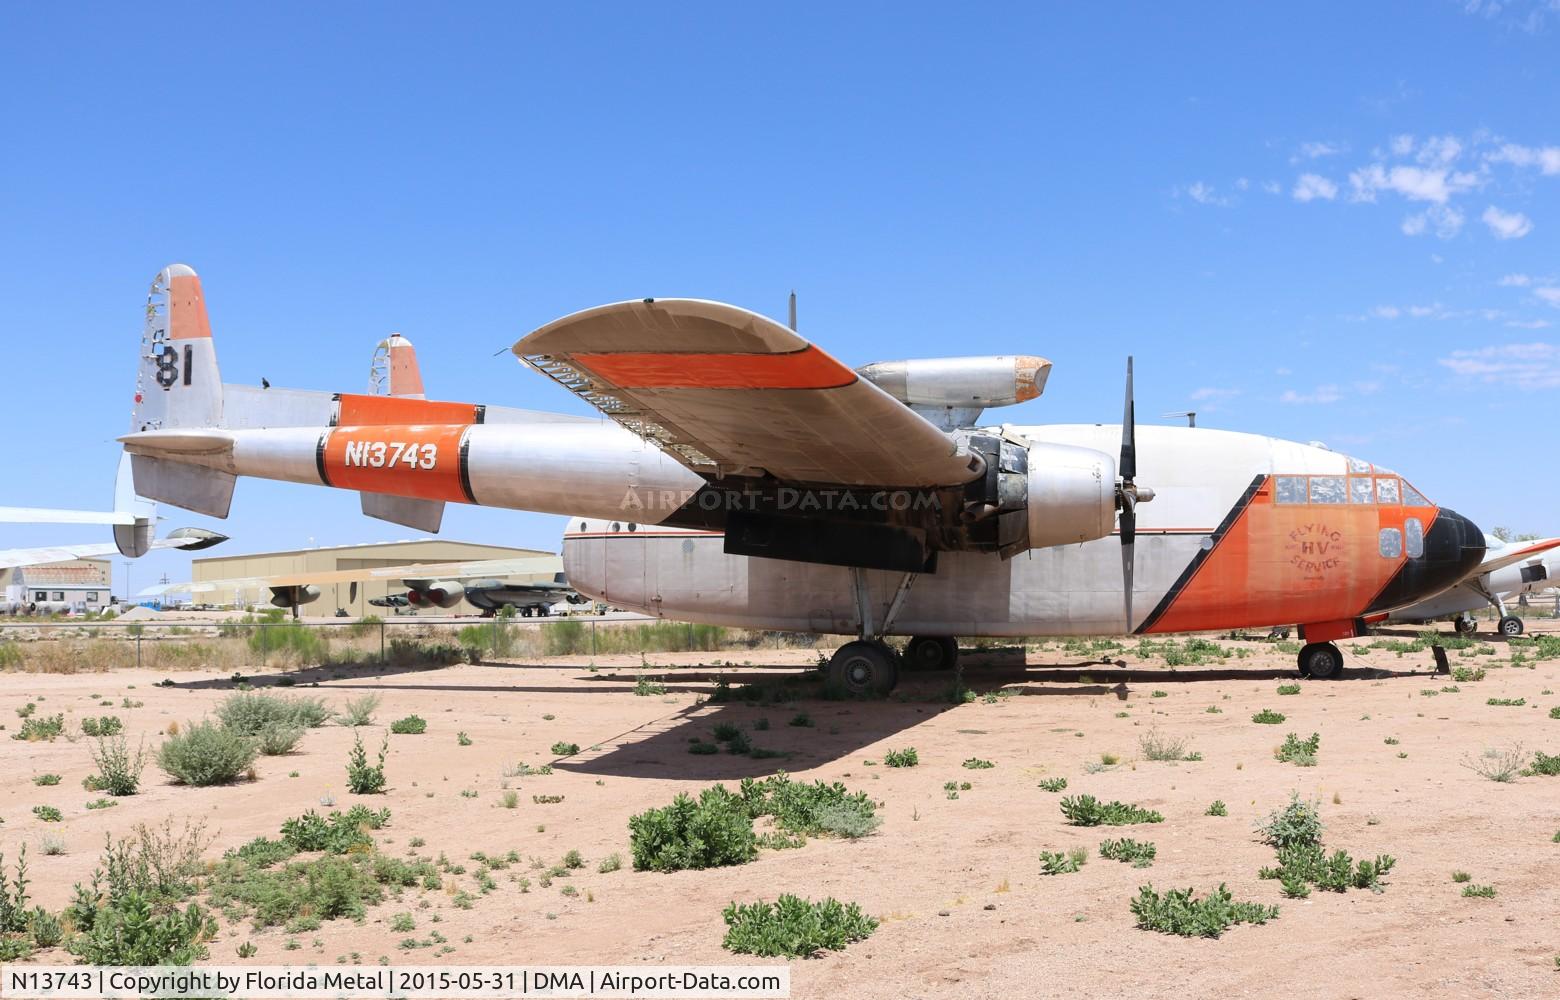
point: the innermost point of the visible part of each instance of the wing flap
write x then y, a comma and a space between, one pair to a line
728, 392
519, 566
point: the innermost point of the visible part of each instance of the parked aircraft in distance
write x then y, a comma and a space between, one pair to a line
133, 519
745, 477
1509, 570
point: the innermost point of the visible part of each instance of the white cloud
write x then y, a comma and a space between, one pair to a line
1549, 294
1316, 150
1402, 145
1311, 186
1447, 221
1323, 394
1242, 184
1529, 324
1414, 183
1516, 281
1545, 158
1524, 366
1272, 187
1204, 194
1507, 225
1386, 312
1212, 392
1439, 150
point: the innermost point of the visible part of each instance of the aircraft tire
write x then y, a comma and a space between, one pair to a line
1466, 626
1511, 626
1321, 661
931, 652
864, 667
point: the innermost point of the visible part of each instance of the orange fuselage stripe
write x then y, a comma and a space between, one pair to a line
808, 368
358, 410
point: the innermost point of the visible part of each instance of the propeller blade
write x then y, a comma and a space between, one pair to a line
1128, 465
1128, 554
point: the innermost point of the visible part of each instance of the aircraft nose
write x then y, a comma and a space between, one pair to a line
1454, 548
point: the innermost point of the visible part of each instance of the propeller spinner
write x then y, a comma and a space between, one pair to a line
1129, 495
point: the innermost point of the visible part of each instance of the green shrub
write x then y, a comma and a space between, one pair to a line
336, 834
1554, 713
1466, 675
104, 725
1479, 891
364, 778
1177, 912
1057, 863
562, 749
1086, 810
26, 710
1296, 833
131, 931
610, 863
359, 711
810, 809
412, 725
1299, 822
902, 758
1138, 855
794, 927
1156, 747
325, 888
1218, 808
204, 753
273, 741
803, 720
119, 773
1289, 689
252, 713
1268, 717
1053, 784
46, 779
47, 814
976, 764
644, 687
1298, 751
715, 831
1545, 764
36, 729
700, 747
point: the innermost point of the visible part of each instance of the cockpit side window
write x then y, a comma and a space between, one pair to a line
1414, 498
1387, 489
1327, 489
1361, 490
1291, 489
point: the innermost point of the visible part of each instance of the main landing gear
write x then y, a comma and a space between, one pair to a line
1321, 661
1511, 626
871, 666
931, 652
1465, 625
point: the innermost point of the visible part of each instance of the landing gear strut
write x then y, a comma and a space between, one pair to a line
1321, 661
1466, 625
931, 652
864, 667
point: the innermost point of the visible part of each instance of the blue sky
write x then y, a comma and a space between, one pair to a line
1338, 223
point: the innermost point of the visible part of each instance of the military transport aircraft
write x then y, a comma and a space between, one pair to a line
745, 477
1509, 569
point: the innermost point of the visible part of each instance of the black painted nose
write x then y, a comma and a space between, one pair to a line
1454, 548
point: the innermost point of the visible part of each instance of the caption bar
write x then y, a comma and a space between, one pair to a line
291, 982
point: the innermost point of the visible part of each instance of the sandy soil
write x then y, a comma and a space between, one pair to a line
957, 882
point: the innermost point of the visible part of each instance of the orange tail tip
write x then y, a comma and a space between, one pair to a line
394, 371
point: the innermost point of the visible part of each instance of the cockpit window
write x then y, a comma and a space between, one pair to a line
1358, 467
1413, 498
1291, 489
1387, 489
1327, 489
1413, 537
1361, 490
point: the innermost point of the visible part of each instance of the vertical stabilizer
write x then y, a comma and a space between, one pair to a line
135, 539
394, 372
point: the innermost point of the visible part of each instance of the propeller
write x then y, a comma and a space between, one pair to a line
1129, 495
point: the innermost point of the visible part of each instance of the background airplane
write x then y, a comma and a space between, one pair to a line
745, 477
1509, 570
134, 522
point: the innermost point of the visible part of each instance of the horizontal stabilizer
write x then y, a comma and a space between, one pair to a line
423, 515
205, 491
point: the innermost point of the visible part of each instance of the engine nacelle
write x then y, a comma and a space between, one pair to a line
435, 594
293, 597
952, 392
1071, 495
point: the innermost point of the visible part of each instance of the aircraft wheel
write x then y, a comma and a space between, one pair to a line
931, 652
1511, 626
1321, 661
1467, 626
864, 667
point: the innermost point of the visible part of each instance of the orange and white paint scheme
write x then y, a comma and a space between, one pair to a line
743, 476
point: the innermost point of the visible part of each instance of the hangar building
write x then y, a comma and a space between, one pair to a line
347, 557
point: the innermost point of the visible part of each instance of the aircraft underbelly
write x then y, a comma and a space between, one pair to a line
1068, 590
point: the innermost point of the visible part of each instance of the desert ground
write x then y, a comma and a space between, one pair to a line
954, 878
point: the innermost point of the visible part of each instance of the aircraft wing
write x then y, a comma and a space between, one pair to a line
184, 538
729, 392
1513, 553
409, 571
45, 515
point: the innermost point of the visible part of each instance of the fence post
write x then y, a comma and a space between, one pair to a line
593, 637
495, 633
138, 650
381, 642
690, 637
